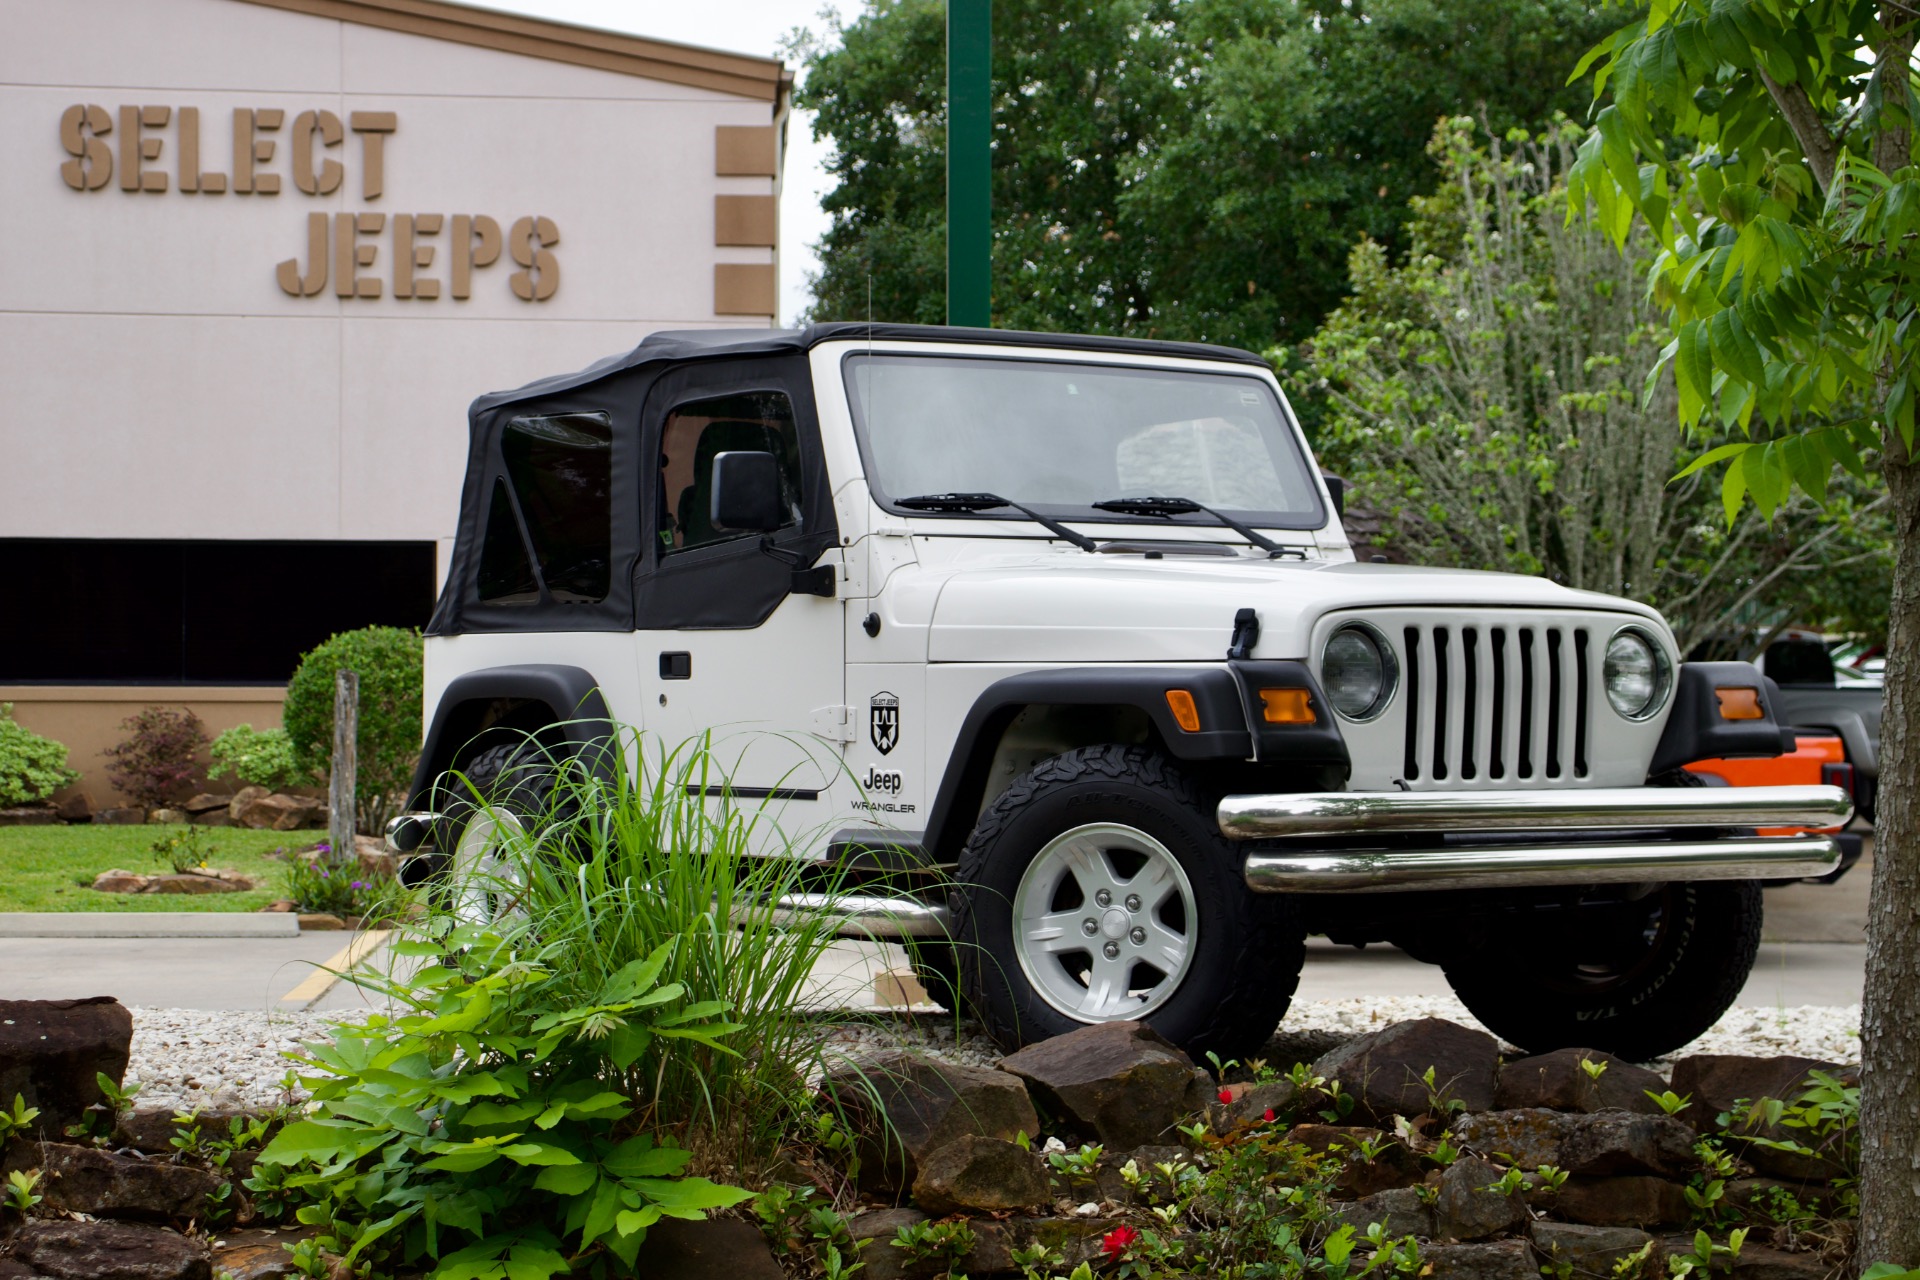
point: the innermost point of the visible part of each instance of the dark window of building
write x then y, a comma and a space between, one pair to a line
111, 611
560, 469
697, 432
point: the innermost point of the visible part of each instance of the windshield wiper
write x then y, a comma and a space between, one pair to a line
1187, 506
989, 502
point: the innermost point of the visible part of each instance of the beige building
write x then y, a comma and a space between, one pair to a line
260, 256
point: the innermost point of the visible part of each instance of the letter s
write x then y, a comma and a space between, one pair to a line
92, 165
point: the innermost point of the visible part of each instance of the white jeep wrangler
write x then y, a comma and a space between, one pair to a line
1059, 643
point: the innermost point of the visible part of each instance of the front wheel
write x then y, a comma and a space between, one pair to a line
490, 803
1097, 888
1637, 978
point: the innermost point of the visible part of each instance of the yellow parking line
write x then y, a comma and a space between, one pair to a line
321, 980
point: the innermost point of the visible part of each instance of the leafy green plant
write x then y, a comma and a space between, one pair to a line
1827, 1112
389, 663
337, 886
18, 1120
1077, 1168
185, 850
1593, 1069
97, 1122
1669, 1101
262, 757
20, 1185
939, 1244
1549, 1178
492, 1127
159, 756
1706, 1255
32, 768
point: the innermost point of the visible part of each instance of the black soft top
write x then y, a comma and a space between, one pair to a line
670, 345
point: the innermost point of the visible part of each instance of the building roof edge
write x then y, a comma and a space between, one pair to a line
763, 79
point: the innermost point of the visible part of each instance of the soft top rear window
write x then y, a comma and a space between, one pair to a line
550, 516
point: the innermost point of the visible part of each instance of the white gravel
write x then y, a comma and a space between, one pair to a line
186, 1058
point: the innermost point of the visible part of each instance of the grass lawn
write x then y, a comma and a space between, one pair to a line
50, 868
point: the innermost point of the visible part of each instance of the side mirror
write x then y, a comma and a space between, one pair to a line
746, 493
1337, 490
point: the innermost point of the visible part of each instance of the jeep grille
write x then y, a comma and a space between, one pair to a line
1497, 703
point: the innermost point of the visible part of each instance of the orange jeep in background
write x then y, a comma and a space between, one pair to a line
1819, 756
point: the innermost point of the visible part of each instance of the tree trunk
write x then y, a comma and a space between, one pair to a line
1890, 1017
341, 780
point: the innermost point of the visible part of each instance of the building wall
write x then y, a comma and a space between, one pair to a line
162, 380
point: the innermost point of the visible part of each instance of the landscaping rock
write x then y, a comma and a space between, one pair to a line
882, 1260
1384, 1070
273, 812
709, 1249
52, 1050
279, 904
195, 884
258, 1254
1075, 1240
244, 797
1588, 1250
77, 807
1715, 1081
979, 1175
32, 815
1762, 1196
1633, 1201
12, 1270
167, 817
1400, 1212
208, 800
117, 880
211, 818
1602, 1142
1393, 1164
106, 1185
1466, 1209
1120, 1083
321, 921
1557, 1081
1503, 1260
124, 817
110, 1251
1290, 1048
151, 1129
1252, 1104
1760, 1262
922, 1106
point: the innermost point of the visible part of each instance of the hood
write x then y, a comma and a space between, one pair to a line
1084, 608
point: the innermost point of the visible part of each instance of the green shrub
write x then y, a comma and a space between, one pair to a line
32, 768
159, 757
389, 664
557, 1073
337, 886
263, 757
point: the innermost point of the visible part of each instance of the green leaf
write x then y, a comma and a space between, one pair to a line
1693, 366
628, 1221
1734, 350
638, 1157
1733, 486
567, 1179
600, 1218
1710, 457
680, 1196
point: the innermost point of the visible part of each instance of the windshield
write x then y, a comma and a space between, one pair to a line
1060, 437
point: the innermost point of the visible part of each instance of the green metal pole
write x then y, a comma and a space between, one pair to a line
970, 163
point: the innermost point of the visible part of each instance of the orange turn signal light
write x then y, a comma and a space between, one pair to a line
1185, 714
1740, 703
1286, 706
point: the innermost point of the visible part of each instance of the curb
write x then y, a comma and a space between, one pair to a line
148, 924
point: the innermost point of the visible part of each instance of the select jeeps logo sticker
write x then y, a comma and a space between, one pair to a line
883, 722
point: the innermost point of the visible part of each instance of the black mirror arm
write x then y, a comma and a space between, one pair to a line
819, 580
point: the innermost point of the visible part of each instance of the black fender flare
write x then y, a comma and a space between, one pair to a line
581, 723
1221, 695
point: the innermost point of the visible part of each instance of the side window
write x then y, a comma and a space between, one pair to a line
698, 431
550, 518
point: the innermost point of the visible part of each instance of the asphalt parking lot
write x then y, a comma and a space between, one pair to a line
1813, 954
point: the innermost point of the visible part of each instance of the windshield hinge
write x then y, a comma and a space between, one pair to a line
835, 724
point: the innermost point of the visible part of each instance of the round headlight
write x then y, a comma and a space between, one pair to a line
1358, 672
1636, 674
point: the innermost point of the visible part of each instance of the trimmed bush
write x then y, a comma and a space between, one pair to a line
263, 757
390, 664
32, 768
158, 759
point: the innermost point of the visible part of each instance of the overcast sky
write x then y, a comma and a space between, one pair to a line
737, 26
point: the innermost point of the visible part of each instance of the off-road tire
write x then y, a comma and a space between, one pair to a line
937, 967
1526, 992
507, 775
1250, 947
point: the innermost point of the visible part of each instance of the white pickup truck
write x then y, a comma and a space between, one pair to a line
1059, 644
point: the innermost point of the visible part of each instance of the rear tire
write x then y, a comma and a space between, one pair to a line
1637, 979
1097, 888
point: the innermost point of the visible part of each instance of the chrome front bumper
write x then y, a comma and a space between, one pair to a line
1418, 855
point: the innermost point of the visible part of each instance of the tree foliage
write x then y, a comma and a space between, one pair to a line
32, 768
1170, 168
1486, 396
391, 665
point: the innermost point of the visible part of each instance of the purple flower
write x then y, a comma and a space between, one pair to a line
359, 884
323, 847
326, 874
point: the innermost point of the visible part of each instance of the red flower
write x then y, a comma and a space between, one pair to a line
1226, 1095
1118, 1240
1269, 1115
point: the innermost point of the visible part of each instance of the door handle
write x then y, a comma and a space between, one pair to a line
676, 665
